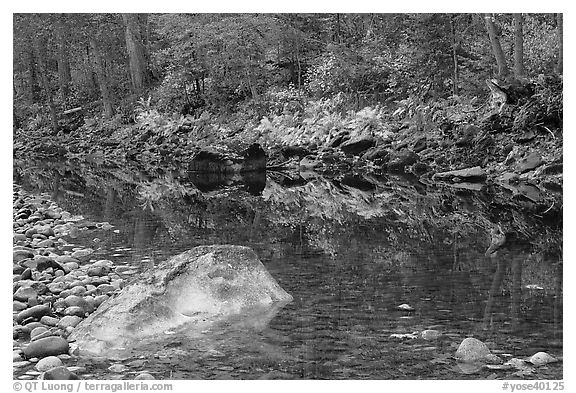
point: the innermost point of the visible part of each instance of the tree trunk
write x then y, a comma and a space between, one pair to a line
560, 65
454, 55
136, 51
299, 65
46, 83
496, 47
103, 81
338, 36
252, 88
519, 71
88, 68
32, 82
64, 77
145, 34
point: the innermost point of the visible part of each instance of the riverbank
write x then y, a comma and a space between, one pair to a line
514, 147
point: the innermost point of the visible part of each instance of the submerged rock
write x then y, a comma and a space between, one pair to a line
48, 363
405, 307
474, 350
541, 358
194, 289
60, 373
430, 334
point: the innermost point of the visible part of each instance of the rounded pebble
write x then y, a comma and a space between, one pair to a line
69, 321
18, 306
48, 363
104, 288
35, 312
117, 368
49, 321
78, 290
75, 310
98, 300
37, 331
60, 373
48, 346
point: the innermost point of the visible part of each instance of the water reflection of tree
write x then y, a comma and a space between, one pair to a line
146, 225
502, 263
512, 263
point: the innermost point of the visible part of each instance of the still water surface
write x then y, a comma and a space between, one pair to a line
349, 250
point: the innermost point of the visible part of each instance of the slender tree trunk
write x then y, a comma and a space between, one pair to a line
518, 46
338, 36
496, 47
136, 51
251, 86
299, 65
454, 55
32, 82
88, 66
46, 83
64, 77
103, 81
145, 34
560, 65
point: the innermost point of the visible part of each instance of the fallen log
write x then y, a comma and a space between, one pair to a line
73, 110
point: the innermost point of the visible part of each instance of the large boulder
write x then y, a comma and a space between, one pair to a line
190, 291
223, 160
357, 145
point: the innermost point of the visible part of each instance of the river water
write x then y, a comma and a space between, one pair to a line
350, 248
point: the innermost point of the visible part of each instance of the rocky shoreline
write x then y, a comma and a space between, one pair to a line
56, 285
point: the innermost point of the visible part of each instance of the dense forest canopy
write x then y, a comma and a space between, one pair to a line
261, 64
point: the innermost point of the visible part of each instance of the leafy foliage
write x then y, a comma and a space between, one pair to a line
264, 64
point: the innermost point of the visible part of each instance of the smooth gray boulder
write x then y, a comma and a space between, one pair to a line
472, 350
192, 291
